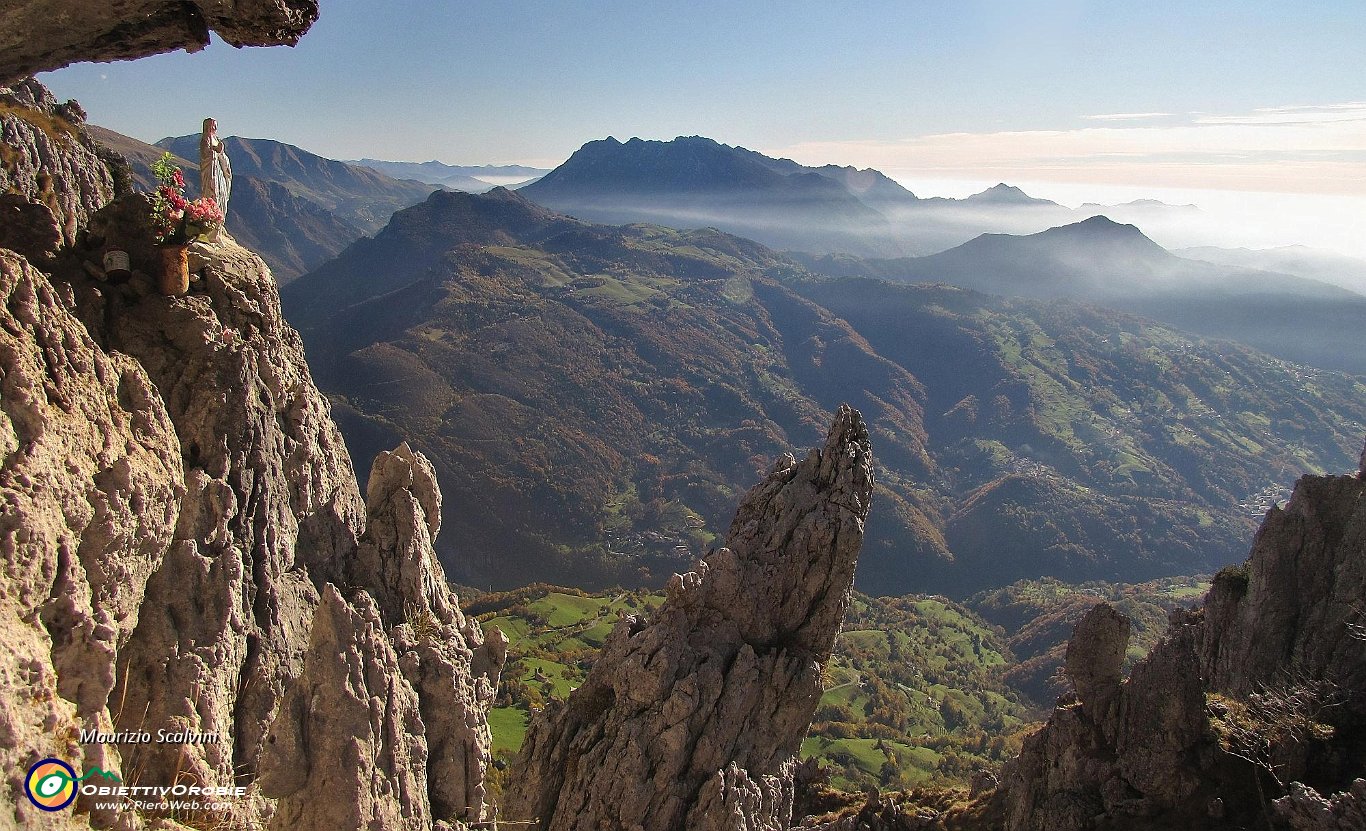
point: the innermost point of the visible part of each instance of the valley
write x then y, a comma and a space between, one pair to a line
639, 374
921, 691
673, 484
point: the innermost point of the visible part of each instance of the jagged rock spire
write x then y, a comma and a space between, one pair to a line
1095, 655
693, 719
1189, 740
401, 639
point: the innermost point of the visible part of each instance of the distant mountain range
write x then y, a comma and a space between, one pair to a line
1300, 260
469, 178
696, 182
594, 397
1003, 194
1101, 261
294, 208
1141, 212
363, 197
692, 182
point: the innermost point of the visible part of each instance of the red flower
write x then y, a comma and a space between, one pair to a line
171, 211
204, 211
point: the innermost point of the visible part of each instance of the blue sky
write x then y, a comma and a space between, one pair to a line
1217, 96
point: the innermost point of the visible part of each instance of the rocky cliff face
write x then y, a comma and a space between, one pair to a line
184, 547
50, 164
40, 35
1258, 694
91, 484
693, 719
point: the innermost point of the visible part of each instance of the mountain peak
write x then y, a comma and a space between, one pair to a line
1002, 194
503, 194
1101, 222
1105, 238
690, 167
1099, 227
451, 216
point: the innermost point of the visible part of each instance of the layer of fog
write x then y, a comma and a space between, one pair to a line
1219, 221
1228, 219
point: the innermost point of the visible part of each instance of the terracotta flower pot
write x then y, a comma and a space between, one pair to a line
175, 270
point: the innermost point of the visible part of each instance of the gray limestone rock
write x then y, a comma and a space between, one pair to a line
443, 654
29, 228
348, 749
1095, 655
272, 516
48, 159
693, 718
1303, 809
41, 34
177, 505
271, 511
89, 491
395, 560
1294, 607
1191, 739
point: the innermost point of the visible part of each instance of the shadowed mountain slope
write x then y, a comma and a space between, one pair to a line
1101, 261
363, 197
1300, 260
593, 396
293, 234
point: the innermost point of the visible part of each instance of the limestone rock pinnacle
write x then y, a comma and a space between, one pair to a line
183, 545
1095, 654
1182, 743
693, 718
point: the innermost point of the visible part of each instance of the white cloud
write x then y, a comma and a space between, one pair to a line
1126, 116
1331, 113
1301, 149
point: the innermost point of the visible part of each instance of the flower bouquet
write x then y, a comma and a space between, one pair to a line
177, 221
203, 218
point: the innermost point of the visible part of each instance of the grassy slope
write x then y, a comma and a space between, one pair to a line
1087, 444
1039, 615
915, 681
